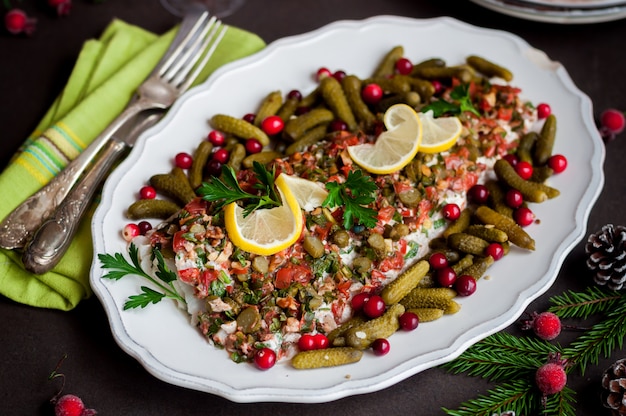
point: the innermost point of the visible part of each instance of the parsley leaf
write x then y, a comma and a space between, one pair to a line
353, 195
119, 267
461, 102
227, 190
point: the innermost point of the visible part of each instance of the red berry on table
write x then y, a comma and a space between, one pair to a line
545, 325
70, 405
523, 216
306, 342
374, 307
183, 160
272, 125
253, 146
495, 250
408, 321
323, 73
451, 211
320, 341
446, 277
404, 66
62, 7
613, 121
479, 194
147, 192
16, 21
380, 346
130, 231
372, 93
524, 169
551, 377
543, 110
265, 358
359, 300
221, 155
438, 261
514, 198
465, 285
216, 138
558, 163
249, 117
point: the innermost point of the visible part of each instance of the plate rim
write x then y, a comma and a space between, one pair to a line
262, 394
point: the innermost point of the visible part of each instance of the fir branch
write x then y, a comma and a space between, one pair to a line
519, 396
584, 304
501, 357
561, 404
603, 337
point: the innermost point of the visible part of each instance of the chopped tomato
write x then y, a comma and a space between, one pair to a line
291, 273
178, 241
505, 113
197, 206
385, 214
189, 275
394, 262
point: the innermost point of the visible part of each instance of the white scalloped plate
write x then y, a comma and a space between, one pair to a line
554, 13
160, 337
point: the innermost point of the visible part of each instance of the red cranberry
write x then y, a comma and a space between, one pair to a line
130, 231
147, 192
372, 93
495, 250
524, 169
374, 307
543, 110
302, 110
511, 158
295, 95
339, 75
323, 73
253, 146
337, 125
465, 285
16, 21
272, 125
437, 85
359, 300
183, 160
249, 117
265, 358
438, 261
221, 155
523, 216
381, 346
479, 194
451, 211
144, 227
214, 167
404, 66
320, 341
613, 120
558, 163
446, 276
514, 198
217, 138
306, 342
408, 321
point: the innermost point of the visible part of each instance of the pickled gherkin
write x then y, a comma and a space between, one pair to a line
295, 128
362, 336
352, 88
152, 208
516, 234
269, 107
403, 284
336, 100
173, 187
387, 65
239, 127
488, 68
327, 357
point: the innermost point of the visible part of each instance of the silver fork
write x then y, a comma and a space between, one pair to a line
194, 44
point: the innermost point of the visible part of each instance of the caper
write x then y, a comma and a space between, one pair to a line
341, 238
410, 198
314, 246
398, 231
377, 242
361, 264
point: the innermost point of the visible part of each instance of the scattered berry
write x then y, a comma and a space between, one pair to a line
253, 146
337, 125
438, 261
147, 192
265, 358
511, 158
409, 321
545, 325
495, 250
144, 227
437, 85
130, 231
465, 285
374, 307
404, 66
479, 194
183, 160
62, 7
359, 300
514, 198
214, 167
322, 73
306, 342
339, 75
451, 212
272, 125
16, 21
543, 110
446, 277
70, 405
380, 346
558, 163
524, 169
216, 138
523, 216
551, 377
295, 95
320, 341
221, 155
613, 120
372, 93
249, 117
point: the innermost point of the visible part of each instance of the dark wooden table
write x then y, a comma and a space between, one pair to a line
33, 72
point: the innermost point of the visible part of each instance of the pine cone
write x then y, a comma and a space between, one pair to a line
606, 252
614, 385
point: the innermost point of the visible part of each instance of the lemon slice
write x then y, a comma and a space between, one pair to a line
309, 194
395, 147
266, 231
439, 134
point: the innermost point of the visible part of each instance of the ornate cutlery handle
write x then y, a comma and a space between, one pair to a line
52, 239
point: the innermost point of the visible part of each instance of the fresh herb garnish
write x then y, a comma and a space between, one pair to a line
120, 267
227, 190
462, 102
356, 192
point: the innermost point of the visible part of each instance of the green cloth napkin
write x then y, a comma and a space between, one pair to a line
106, 74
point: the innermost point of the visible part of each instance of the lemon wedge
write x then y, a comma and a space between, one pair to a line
395, 147
266, 231
309, 194
439, 134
